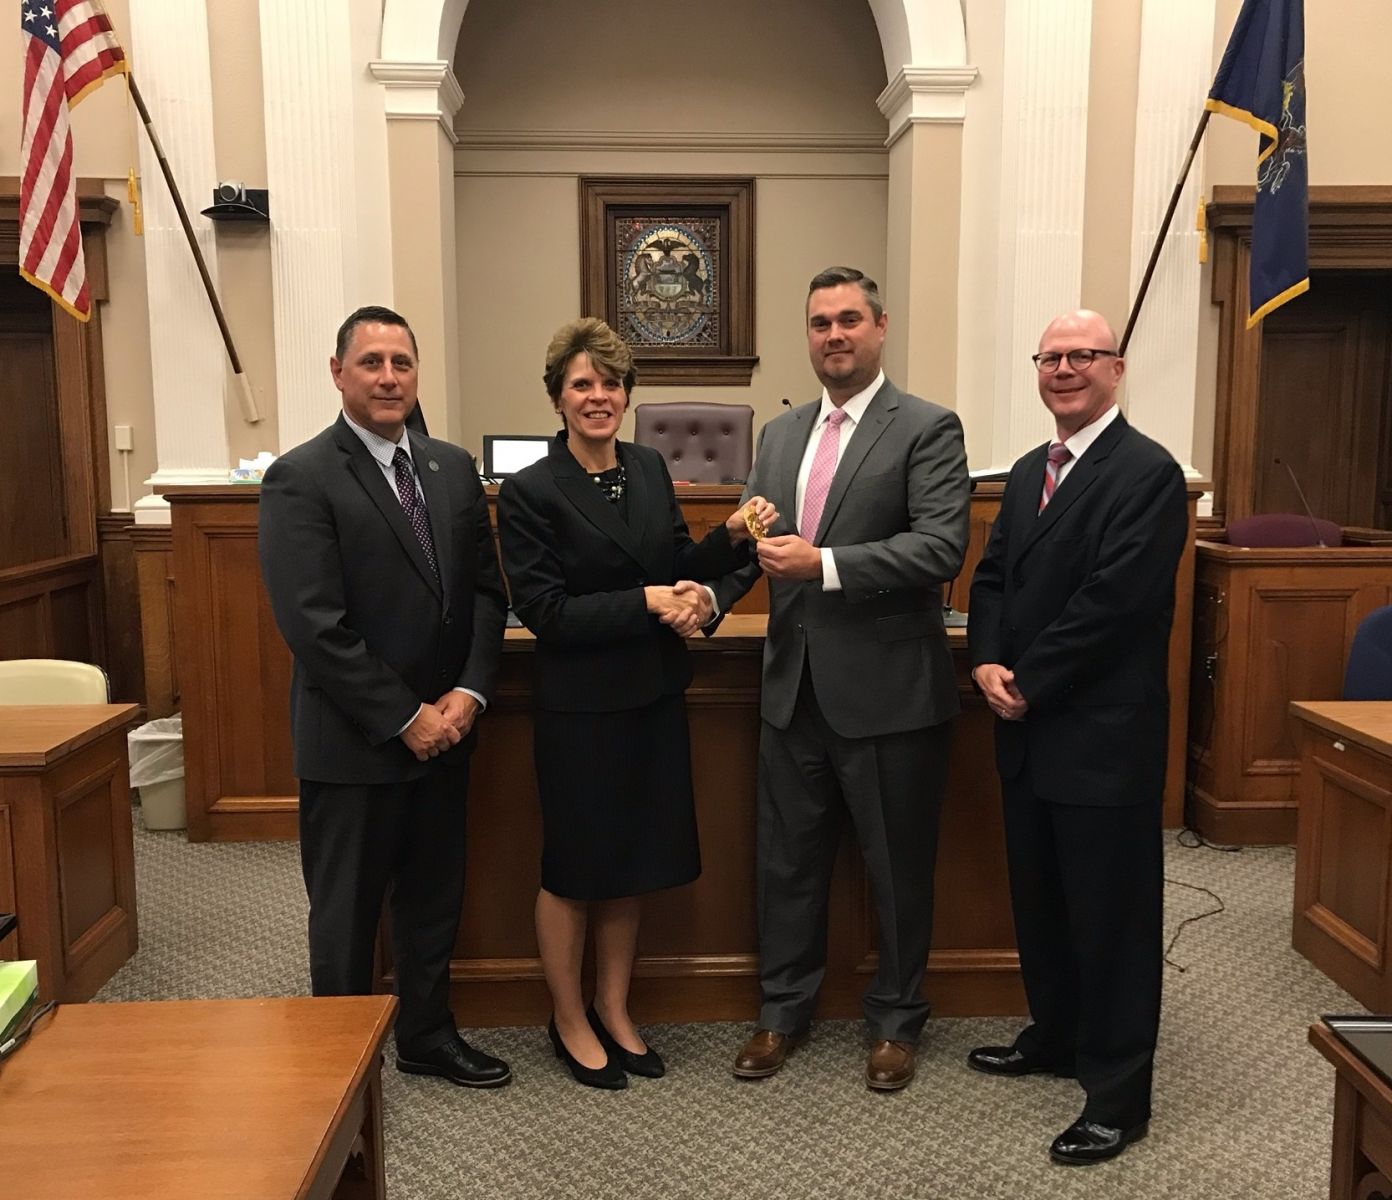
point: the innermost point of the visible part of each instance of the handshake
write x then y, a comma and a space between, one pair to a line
685, 606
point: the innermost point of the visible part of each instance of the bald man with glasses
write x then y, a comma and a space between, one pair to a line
1069, 634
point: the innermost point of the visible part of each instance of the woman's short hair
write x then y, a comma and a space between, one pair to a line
588, 335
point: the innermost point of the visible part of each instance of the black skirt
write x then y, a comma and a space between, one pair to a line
617, 813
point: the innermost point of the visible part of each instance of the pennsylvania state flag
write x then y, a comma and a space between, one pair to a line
1261, 82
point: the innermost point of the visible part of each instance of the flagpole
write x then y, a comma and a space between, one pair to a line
250, 411
1164, 229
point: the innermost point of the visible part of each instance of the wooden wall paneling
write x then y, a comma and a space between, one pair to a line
1350, 229
153, 548
51, 610
120, 607
236, 673
9, 897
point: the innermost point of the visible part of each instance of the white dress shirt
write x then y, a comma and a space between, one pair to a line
1078, 444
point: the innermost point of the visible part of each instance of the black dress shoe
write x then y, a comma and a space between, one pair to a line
1006, 1060
649, 1064
609, 1077
1086, 1142
458, 1062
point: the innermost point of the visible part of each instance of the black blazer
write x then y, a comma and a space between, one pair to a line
373, 632
1078, 602
577, 571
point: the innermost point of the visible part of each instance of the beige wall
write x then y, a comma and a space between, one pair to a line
601, 97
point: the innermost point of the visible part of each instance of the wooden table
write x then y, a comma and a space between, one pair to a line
67, 860
1343, 854
215, 1099
1360, 1166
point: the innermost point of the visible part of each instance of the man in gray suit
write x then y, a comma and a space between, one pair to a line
858, 687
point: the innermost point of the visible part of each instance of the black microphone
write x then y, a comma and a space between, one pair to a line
1299, 491
952, 619
786, 403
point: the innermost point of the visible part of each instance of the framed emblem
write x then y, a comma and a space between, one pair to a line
668, 262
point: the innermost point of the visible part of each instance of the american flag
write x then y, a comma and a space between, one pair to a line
69, 49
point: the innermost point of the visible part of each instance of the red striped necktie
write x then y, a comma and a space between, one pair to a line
1058, 455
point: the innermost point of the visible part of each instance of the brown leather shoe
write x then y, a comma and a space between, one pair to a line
764, 1053
890, 1065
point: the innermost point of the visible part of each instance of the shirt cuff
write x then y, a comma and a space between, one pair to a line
715, 605
831, 581
470, 692
414, 715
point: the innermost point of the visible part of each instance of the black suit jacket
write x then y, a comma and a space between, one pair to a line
374, 633
577, 571
1078, 602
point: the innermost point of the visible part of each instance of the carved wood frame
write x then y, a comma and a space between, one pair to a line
604, 198
1350, 229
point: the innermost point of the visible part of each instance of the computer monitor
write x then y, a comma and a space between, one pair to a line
505, 454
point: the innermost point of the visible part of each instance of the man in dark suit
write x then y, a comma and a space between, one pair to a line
378, 556
1069, 632
858, 689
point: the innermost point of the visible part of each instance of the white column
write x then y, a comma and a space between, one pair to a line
420, 100
925, 107
1175, 73
189, 367
1047, 50
306, 70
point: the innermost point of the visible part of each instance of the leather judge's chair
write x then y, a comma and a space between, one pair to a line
1276, 530
1369, 673
702, 441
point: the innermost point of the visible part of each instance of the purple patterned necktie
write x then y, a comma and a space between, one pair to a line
1058, 455
413, 507
820, 476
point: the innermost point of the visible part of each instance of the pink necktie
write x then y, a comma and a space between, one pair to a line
1058, 455
819, 478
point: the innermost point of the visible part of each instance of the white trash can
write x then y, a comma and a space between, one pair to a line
157, 770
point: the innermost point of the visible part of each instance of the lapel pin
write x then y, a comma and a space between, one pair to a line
434, 466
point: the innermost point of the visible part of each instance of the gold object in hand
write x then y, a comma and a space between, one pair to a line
754, 525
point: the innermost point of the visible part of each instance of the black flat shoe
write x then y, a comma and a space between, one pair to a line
610, 1076
1086, 1142
649, 1064
1006, 1060
458, 1062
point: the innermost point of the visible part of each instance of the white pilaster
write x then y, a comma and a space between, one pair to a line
1175, 74
189, 367
307, 74
925, 96
1044, 122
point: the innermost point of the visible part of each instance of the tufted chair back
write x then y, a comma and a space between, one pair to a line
703, 442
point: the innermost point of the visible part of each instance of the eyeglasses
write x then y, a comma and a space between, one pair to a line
1080, 360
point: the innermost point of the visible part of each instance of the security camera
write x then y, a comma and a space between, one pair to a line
230, 192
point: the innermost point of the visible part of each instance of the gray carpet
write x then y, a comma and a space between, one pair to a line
1243, 1104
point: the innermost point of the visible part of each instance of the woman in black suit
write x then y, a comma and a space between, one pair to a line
602, 570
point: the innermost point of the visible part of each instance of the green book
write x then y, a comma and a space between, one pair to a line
19, 983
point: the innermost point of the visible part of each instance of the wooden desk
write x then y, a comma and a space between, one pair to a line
1270, 626
1360, 1166
1343, 854
67, 861
218, 1099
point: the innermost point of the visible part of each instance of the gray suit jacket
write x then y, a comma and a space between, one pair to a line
897, 520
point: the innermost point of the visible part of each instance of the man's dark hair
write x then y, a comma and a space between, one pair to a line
836, 276
370, 314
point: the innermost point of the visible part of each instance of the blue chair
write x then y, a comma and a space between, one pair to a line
1369, 672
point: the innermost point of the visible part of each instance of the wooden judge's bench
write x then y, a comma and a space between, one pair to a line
698, 954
